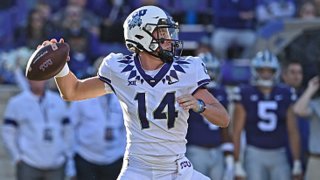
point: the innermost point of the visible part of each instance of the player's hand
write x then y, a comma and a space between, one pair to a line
239, 172
188, 102
228, 173
52, 41
313, 84
297, 170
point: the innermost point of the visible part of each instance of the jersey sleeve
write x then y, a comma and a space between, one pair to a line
225, 99
11, 116
200, 73
289, 94
293, 95
105, 70
10, 130
236, 95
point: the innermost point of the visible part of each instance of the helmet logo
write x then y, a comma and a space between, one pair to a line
136, 19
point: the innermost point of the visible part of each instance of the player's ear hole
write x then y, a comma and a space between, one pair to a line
139, 36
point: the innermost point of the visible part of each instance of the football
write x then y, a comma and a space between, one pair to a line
47, 61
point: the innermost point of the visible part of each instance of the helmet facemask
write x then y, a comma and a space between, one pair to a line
265, 60
259, 80
164, 33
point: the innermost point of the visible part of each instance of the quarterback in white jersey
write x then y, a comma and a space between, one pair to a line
156, 124
156, 89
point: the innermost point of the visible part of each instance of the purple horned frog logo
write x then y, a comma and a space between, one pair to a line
136, 19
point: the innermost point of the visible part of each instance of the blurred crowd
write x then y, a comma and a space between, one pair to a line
94, 29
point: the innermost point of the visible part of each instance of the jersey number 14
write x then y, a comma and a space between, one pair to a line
167, 101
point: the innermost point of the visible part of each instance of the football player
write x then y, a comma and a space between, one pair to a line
208, 145
156, 88
308, 106
264, 110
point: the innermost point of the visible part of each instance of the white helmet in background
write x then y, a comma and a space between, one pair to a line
212, 65
138, 29
265, 59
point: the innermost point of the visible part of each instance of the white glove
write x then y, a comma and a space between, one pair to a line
239, 170
229, 168
297, 168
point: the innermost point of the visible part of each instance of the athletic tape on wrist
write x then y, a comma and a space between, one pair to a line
228, 146
64, 71
297, 167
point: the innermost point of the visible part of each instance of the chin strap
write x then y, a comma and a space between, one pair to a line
166, 56
163, 59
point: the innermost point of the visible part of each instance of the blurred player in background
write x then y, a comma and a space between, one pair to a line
208, 144
264, 110
308, 106
156, 88
37, 133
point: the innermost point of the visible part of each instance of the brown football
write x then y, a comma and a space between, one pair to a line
47, 61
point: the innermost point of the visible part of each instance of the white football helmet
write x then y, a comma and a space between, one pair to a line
265, 59
212, 65
138, 32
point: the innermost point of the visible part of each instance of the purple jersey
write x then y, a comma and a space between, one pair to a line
265, 124
200, 131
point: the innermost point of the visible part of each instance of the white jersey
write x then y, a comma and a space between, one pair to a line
155, 123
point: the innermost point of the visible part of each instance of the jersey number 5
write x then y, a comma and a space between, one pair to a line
167, 101
267, 115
